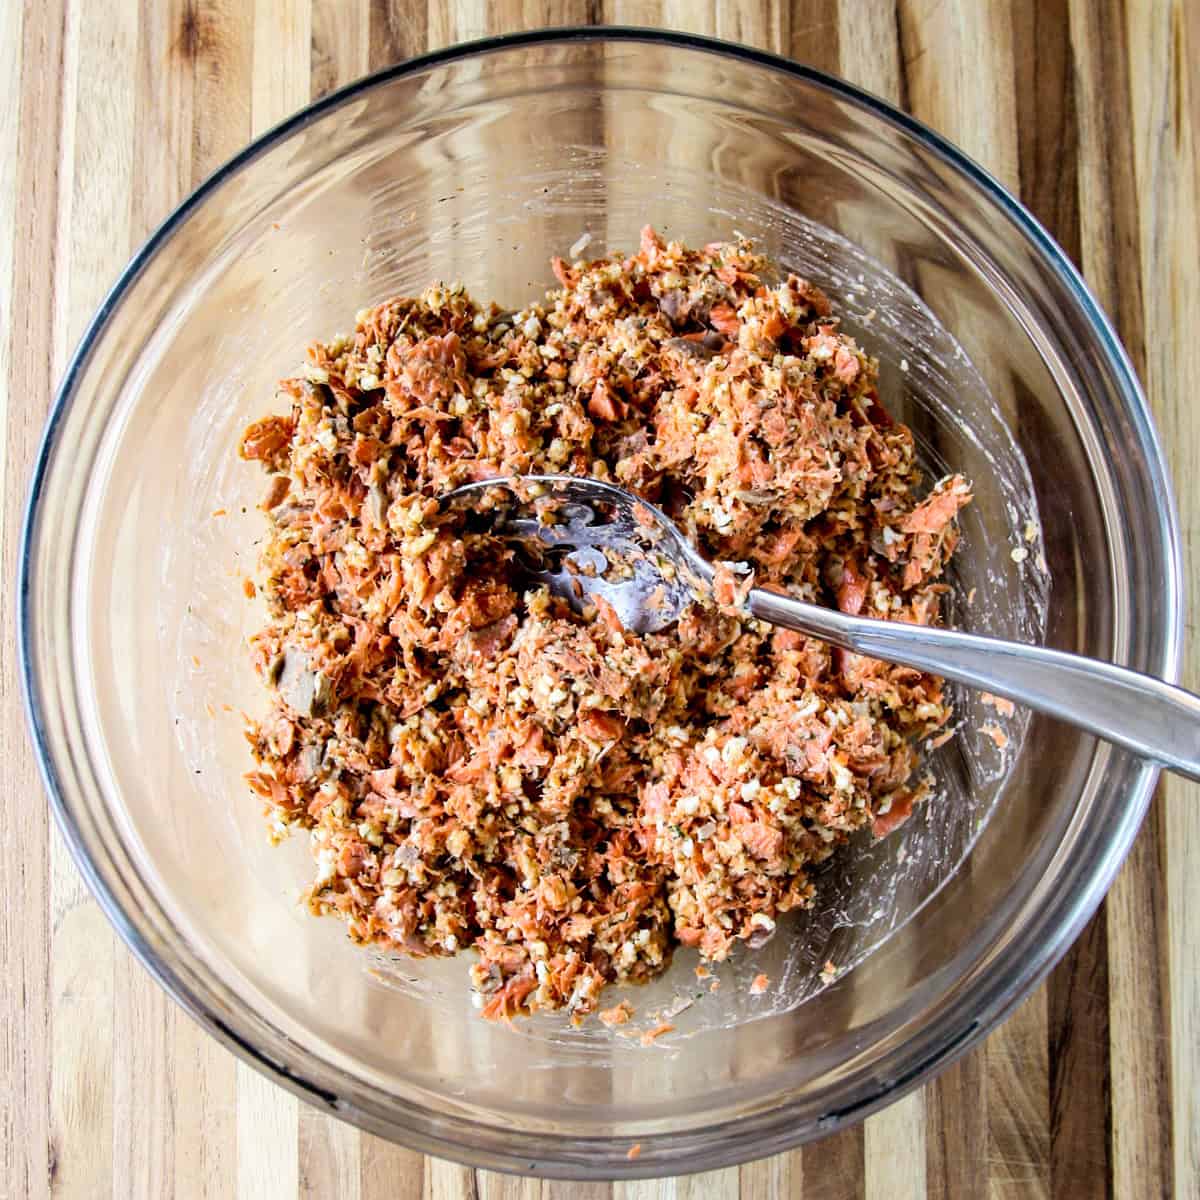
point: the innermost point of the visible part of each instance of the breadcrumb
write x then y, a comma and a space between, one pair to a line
1004, 707
997, 734
620, 1014
652, 1035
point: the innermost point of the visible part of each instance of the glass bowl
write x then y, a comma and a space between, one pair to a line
477, 164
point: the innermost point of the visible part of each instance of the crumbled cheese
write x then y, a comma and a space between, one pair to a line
733, 751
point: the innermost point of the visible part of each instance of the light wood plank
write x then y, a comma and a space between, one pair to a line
204, 1115
960, 76
267, 1138
282, 72
212, 45
398, 29
869, 47
1017, 1063
1080, 1107
10, 139
459, 22
958, 60
1159, 993
895, 1152
94, 242
1112, 251
567, 1189
448, 1181
1142, 1130
268, 1119
145, 1085
340, 36
161, 134
330, 1156
32, 119
218, 40
779, 1177
646, 1189
490, 1185
390, 1172
1109, 237
709, 1185
1076, 1134
330, 1151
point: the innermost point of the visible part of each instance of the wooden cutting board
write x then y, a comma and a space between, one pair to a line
113, 111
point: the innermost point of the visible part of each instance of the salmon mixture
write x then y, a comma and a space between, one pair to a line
480, 767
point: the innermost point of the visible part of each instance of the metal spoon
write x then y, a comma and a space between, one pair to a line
587, 539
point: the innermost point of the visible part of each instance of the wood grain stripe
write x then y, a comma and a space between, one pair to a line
706, 1185
1142, 1140
1080, 1101
31, 77
340, 39
1113, 162
204, 1114
1080, 1120
959, 77
330, 1152
212, 47
396, 31
94, 243
267, 1138
390, 1172
1046, 117
144, 1064
216, 42
775, 1178
449, 1181
1165, 101
492, 1186
894, 1151
956, 1142
10, 126
553, 1189
894, 1141
144, 1080
268, 1118
868, 39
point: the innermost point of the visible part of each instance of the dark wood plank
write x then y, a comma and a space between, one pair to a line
1080, 1161
398, 29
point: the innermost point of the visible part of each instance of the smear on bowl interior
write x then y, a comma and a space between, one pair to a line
479, 767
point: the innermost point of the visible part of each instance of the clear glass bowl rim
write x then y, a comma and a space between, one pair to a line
962, 1026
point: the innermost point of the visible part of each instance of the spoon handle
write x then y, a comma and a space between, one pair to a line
1151, 718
